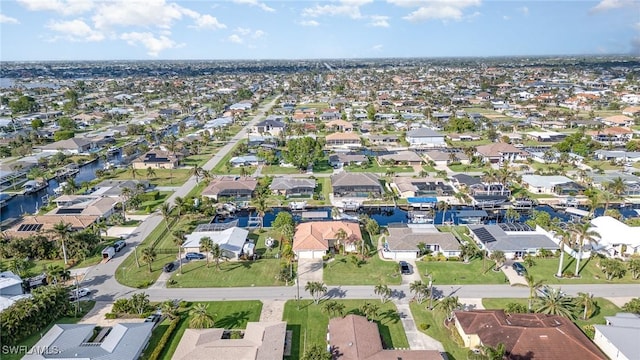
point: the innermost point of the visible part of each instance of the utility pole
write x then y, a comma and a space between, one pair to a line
298, 287
430, 292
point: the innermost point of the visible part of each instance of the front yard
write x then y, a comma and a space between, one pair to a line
589, 272
459, 273
342, 271
162, 177
309, 324
261, 272
434, 319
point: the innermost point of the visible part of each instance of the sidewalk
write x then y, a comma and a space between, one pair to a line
272, 310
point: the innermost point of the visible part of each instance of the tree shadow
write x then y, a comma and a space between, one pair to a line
391, 316
233, 321
238, 264
335, 293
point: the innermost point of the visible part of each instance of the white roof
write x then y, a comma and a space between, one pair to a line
545, 181
231, 239
613, 232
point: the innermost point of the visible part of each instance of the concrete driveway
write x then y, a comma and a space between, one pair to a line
310, 270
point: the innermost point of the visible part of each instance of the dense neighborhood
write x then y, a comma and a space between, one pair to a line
381, 209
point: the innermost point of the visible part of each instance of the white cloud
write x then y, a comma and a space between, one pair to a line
377, 47
153, 44
379, 21
138, 13
74, 30
243, 31
235, 38
436, 9
524, 10
349, 8
4, 19
309, 23
256, 3
605, 5
258, 34
64, 7
208, 22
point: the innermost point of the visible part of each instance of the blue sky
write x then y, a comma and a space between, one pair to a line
256, 29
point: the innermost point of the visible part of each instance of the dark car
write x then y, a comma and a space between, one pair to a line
405, 269
519, 268
194, 256
118, 245
169, 267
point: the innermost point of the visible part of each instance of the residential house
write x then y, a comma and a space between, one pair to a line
631, 111
246, 160
330, 115
291, 187
383, 139
260, 341
403, 239
340, 126
313, 239
409, 187
241, 106
618, 339
464, 137
157, 159
269, 126
113, 188
347, 184
11, 289
122, 341
232, 187
546, 136
228, 236
612, 135
339, 160
500, 152
525, 336
425, 138
618, 120
73, 146
354, 337
407, 157
89, 205
34, 224
618, 155
601, 181
617, 239
560, 185
514, 240
444, 158
342, 140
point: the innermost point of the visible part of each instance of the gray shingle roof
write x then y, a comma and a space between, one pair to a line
355, 179
423, 132
515, 241
405, 238
287, 183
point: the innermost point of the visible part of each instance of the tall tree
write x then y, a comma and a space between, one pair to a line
587, 303
217, 254
448, 305
533, 286
583, 233
384, 291
206, 244
554, 302
165, 210
565, 240
178, 241
317, 289
200, 318
63, 231
499, 258
148, 256
370, 310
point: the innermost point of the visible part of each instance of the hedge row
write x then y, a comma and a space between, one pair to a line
155, 355
149, 196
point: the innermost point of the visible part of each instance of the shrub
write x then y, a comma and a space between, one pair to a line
568, 274
164, 339
589, 330
185, 304
110, 316
63, 135
453, 258
326, 257
428, 258
424, 326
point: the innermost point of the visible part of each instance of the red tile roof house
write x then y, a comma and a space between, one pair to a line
497, 152
313, 239
526, 336
353, 337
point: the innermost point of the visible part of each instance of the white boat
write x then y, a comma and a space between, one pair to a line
297, 205
350, 205
230, 207
420, 217
60, 189
32, 186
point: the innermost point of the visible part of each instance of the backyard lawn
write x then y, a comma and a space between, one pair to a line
468, 168
162, 177
26, 344
589, 272
377, 169
226, 314
459, 273
309, 324
342, 271
437, 330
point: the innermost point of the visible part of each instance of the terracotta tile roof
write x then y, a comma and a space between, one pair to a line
618, 119
614, 130
315, 235
48, 222
355, 338
497, 149
340, 122
343, 136
529, 336
230, 183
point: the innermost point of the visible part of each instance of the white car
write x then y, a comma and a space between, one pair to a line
76, 294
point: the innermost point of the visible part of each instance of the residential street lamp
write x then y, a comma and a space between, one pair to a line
430, 292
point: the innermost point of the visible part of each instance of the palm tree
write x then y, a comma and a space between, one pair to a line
197, 171
383, 291
448, 305
419, 289
63, 231
133, 171
333, 307
583, 233
317, 289
178, 241
533, 286
261, 206
617, 187
148, 256
468, 252
493, 353
150, 172
565, 239
554, 302
369, 310
200, 318
587, 303
499, 257
166, 213
511, 215
179, 202
341, 236
170, 309
217, 254
607, 198
206, 244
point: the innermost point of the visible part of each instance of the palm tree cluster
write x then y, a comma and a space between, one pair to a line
317, 290
30, 315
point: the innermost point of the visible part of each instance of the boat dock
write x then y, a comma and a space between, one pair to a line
67, 171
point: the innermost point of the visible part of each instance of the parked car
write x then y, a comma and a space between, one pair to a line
118, 245
154, 318
169, 267
546, 289
194, 256
519, 268
76, 294
405, 269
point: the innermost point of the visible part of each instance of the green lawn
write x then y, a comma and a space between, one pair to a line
309, 324
589, 273
261, 272
458, 273
604, 308
604, 165
437, 330
275, 169
153, 204
226, 314
163, 177
377, 169
323, 187
221, 167
26, 344
202, 157
341, 271
468, 168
